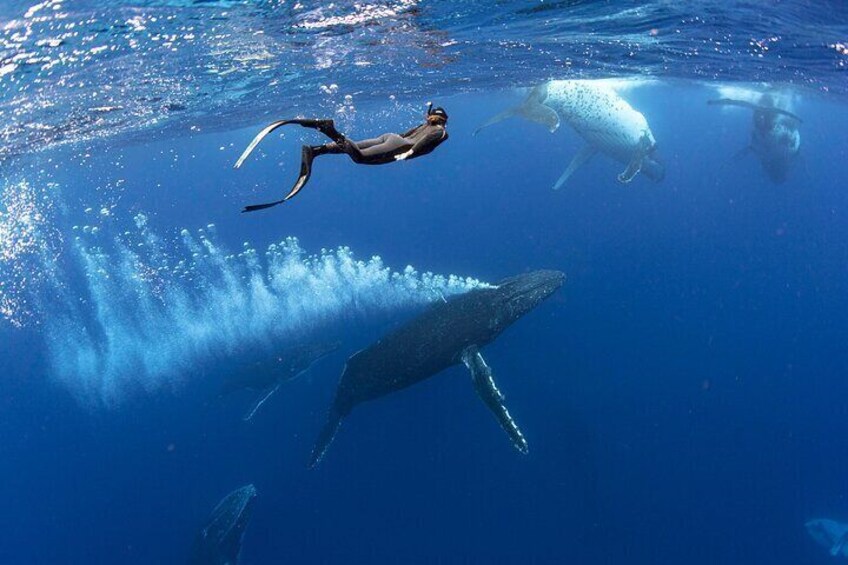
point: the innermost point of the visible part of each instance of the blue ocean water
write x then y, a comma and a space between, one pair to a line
683, 395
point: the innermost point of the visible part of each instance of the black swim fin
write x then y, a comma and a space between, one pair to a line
307, 156
255, 207
256, 140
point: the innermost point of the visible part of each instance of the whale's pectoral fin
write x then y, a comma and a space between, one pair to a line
533, 109
583, 156
632, 170
260, 400
484, 384
328, 433
643, 150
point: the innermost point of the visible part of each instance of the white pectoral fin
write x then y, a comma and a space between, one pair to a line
487, 390
581, 158
260, 400
644, 149
631, 171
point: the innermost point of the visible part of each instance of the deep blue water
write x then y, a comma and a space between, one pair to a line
683, 394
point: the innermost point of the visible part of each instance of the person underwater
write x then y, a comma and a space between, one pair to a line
387, 148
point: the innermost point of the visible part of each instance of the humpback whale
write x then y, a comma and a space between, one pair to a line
219, 541
265, 377
775, 138
830, 534
448, 333
605, 121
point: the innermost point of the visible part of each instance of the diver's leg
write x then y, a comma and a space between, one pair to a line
366, 143
382, 150
327, 127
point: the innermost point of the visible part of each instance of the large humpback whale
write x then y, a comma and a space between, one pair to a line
775, 138
219, 541
449, 333
266, 376
830, 534
607, 123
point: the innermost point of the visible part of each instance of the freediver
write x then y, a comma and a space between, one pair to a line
387, 148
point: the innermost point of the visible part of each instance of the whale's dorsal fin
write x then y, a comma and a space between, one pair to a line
533, 108
752, 106
264, 395
487, 390
581, 158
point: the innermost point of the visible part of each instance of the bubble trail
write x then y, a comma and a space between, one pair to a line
150, 317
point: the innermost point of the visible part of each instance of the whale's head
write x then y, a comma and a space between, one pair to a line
219, 541
516, 296
653, 168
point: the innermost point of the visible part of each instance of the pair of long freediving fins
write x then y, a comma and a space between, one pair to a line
305, 165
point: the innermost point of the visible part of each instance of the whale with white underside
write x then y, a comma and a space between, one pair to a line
606, 122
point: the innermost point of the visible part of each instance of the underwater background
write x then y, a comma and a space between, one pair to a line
683, 395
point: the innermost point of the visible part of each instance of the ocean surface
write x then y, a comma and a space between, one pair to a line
683, 395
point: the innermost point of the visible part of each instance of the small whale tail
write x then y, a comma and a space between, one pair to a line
325, 438
755, 107
533, 108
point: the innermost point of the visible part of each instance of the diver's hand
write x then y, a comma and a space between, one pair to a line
404, 155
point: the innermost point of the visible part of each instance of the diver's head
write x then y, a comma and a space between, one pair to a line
436, 116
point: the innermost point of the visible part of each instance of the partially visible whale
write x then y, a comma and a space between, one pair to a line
775, 138
266, 376
605, 121
449, 333
219, 541
830, 534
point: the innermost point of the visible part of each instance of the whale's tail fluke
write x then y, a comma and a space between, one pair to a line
325, 438
755, 107
533, 108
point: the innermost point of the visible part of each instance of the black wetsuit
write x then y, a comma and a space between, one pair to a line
380, 150
421, 140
